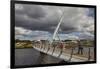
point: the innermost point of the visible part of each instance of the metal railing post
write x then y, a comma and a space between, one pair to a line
53, 50
71, 55
89, 54
60, 53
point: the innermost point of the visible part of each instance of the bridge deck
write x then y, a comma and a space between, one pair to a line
65, 54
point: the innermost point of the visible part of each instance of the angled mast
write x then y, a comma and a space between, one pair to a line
57, 28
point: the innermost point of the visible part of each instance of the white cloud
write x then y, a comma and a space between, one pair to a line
21, 31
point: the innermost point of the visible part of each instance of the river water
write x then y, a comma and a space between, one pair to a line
33, 57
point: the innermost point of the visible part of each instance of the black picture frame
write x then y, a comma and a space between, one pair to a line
12, 42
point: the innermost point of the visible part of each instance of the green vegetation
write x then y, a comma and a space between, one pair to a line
67, 43
87, 43
23, 44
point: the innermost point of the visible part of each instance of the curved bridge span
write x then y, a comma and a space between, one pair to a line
68, 55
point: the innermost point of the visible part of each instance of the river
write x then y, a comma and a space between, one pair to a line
33, 57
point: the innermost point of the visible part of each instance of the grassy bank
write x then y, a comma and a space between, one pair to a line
23, 44
67, 44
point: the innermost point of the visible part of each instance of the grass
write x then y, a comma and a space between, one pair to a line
68, 45
24, 44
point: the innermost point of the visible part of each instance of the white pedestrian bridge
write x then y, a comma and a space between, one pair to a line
68, 55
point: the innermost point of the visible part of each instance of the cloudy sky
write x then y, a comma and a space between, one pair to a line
35, 22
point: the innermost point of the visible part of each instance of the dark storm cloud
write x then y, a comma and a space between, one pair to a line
31, 17
45, 18
33, 11
91, 12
